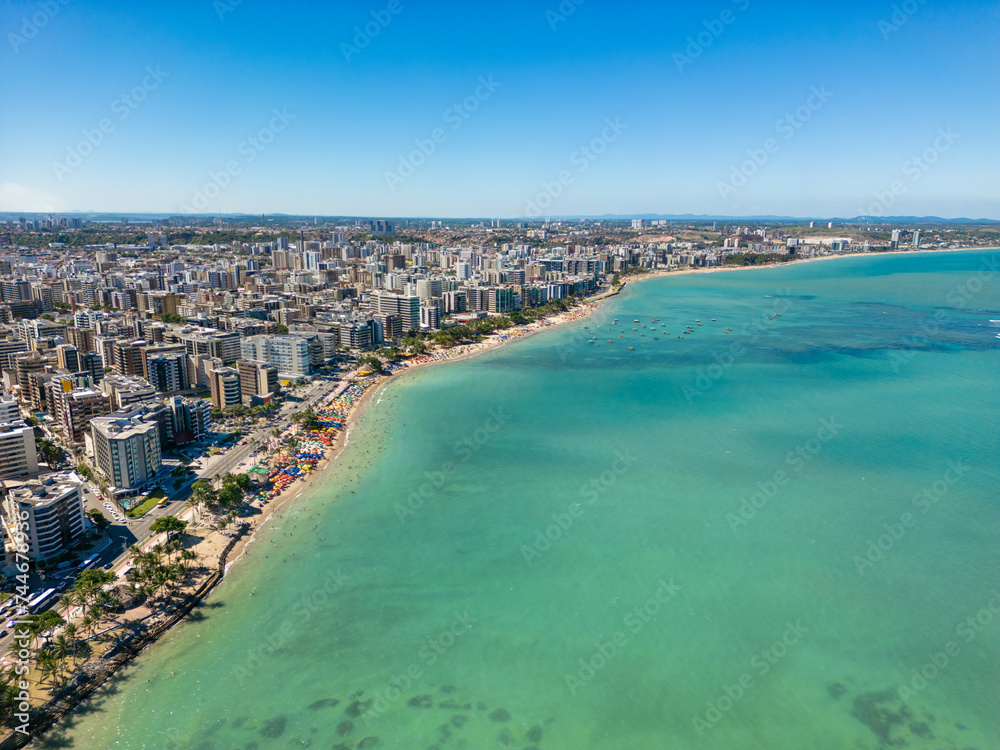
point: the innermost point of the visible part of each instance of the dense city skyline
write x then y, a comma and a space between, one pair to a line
732, 109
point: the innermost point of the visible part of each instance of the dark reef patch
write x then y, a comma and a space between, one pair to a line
501, 715
421, 701
345, 727
879, 712
358, 707
325, 703
836, 690
274, 727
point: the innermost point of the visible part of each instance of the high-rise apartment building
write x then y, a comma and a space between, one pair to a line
126, 451
18, 456
258, 380
46, 513
224, 384
289, 354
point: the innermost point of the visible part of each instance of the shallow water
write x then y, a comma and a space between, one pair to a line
734, 540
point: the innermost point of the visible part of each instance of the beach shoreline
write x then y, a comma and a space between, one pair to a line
493, 342
660, 274
378, 383
236, 549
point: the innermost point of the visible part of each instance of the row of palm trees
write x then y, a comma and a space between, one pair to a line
56, 645
89, 594
162, 568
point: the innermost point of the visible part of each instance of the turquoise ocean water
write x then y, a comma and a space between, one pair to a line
783, 536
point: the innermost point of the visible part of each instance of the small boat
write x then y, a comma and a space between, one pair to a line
713, 320
631, 349
729, 330
636, 320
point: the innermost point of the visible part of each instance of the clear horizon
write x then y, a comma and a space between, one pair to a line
525, 111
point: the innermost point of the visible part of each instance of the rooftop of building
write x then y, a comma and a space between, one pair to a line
17, 424
123, 424
42, 489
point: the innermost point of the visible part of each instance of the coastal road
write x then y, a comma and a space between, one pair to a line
121, 536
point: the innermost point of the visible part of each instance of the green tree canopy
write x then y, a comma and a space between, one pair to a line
169, 524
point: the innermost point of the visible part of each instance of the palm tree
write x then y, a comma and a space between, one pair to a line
174, 546
66, 601
62, 646
48, 666
188, 557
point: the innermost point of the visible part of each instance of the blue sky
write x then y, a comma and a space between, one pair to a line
698, 93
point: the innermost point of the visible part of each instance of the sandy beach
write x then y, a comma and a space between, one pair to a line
209, 543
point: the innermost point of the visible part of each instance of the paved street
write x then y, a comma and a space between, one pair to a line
121, 536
